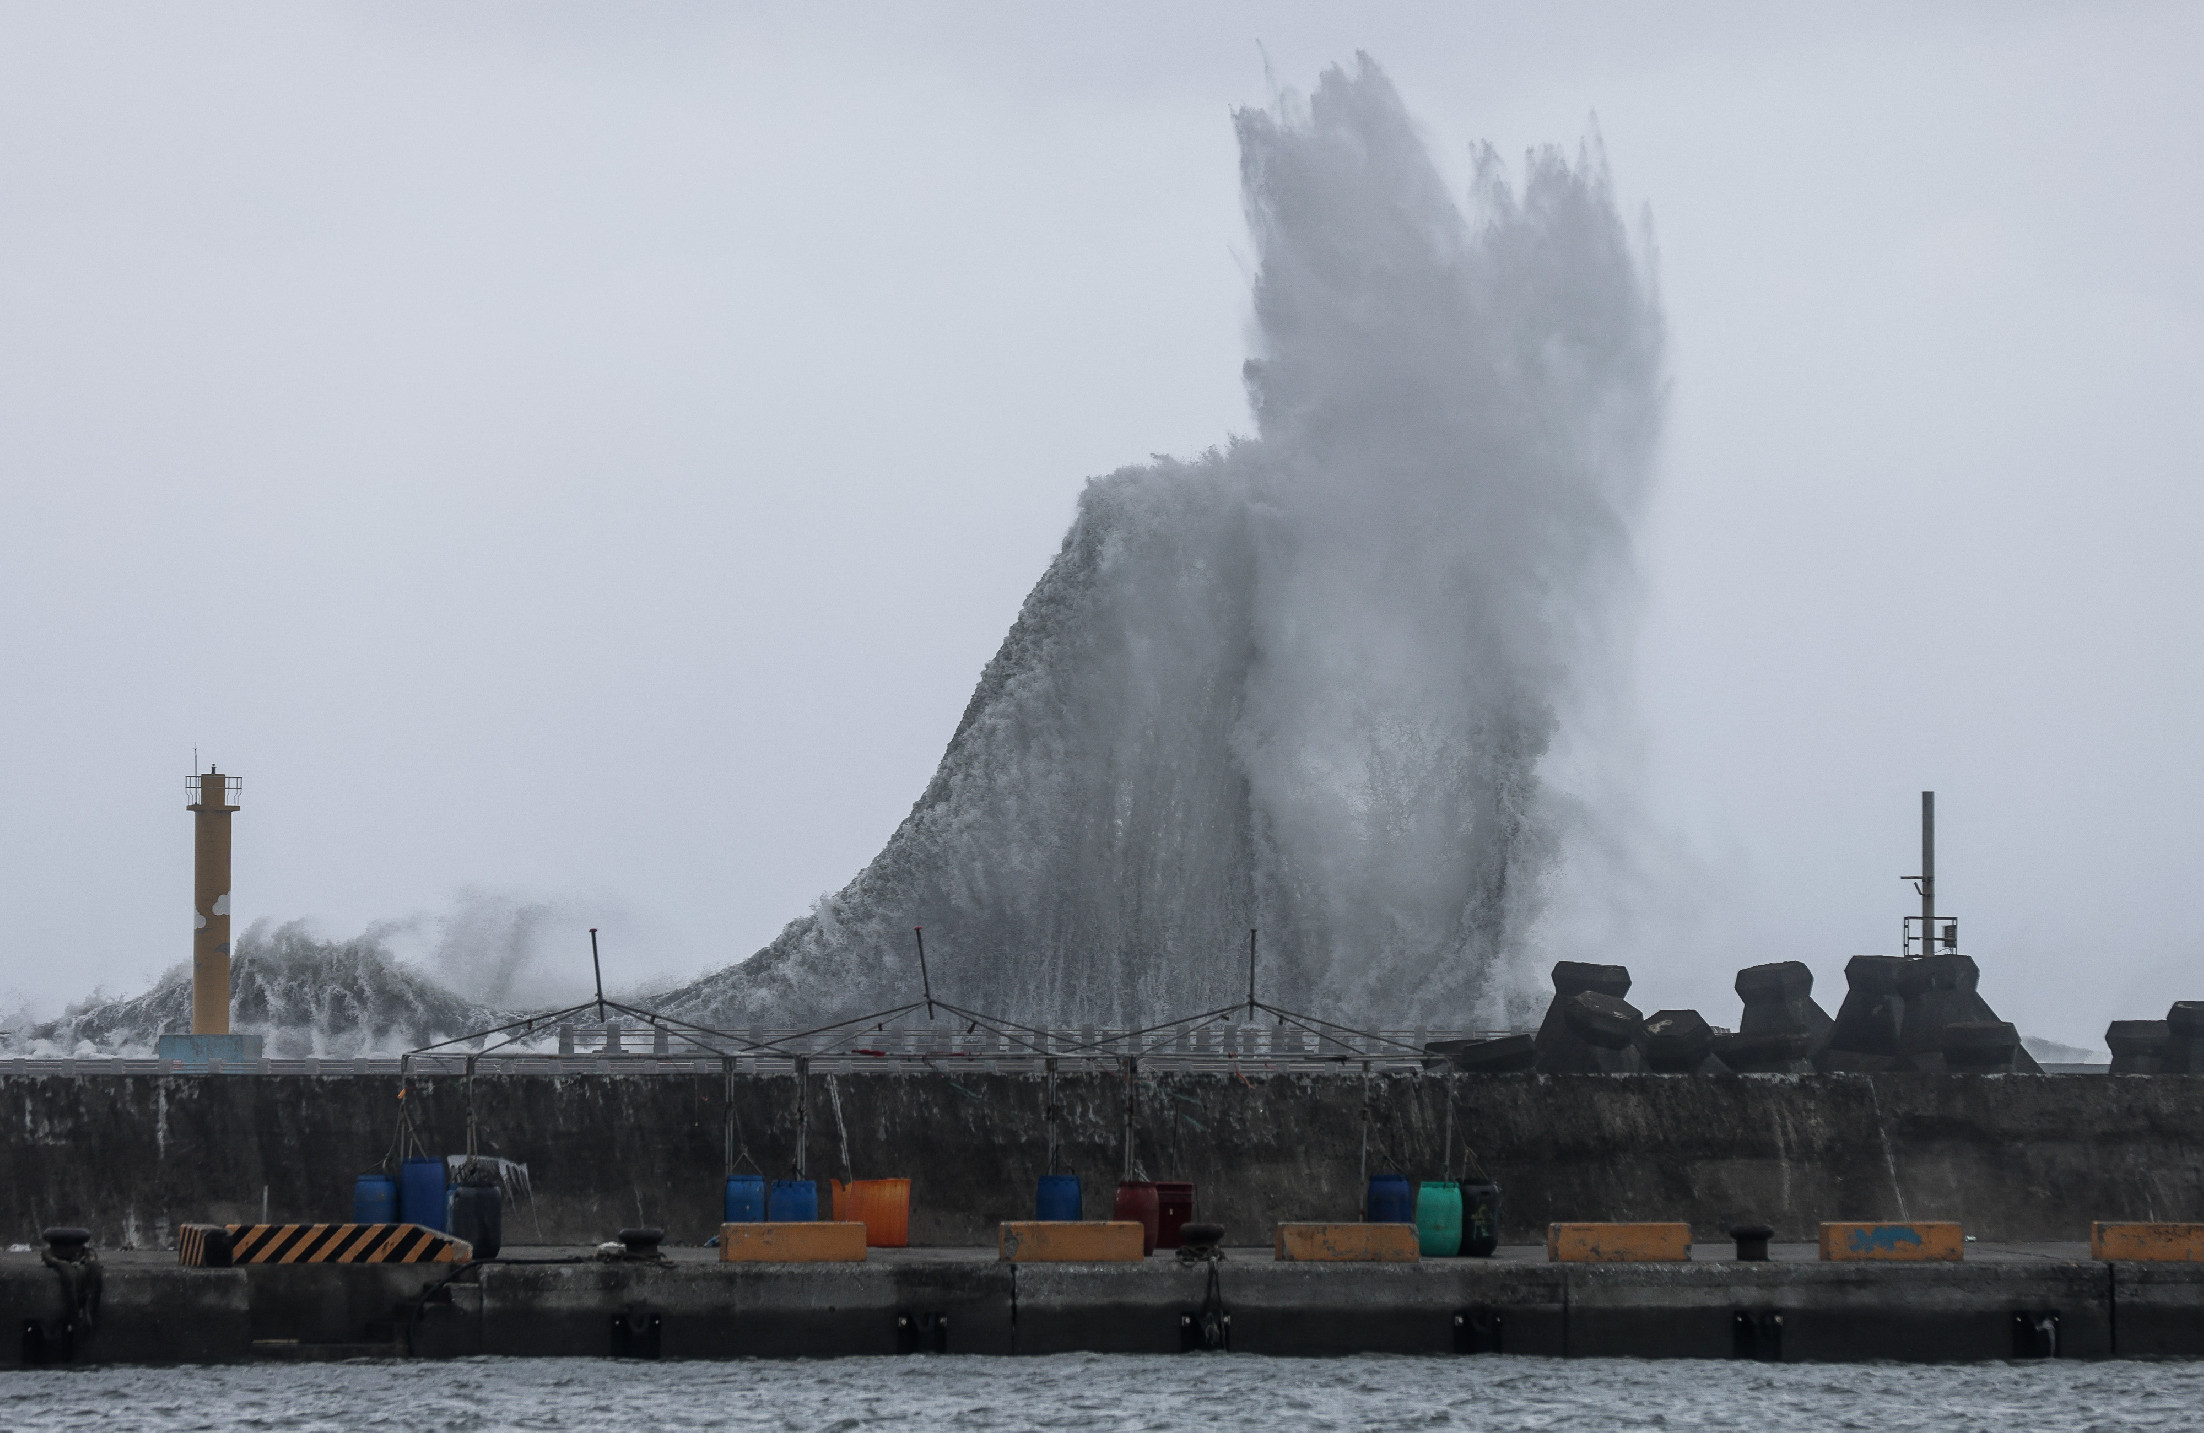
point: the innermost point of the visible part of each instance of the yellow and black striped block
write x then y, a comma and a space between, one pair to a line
199, 1247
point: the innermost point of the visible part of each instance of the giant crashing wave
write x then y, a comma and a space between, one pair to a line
1305, 683
308, 997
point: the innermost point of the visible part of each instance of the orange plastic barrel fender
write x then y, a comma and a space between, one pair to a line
883, 1206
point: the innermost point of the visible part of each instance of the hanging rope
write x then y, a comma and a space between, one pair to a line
737, 1148
406, 1143
467, 1170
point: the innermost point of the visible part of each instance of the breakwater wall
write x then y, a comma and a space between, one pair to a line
2012, 1157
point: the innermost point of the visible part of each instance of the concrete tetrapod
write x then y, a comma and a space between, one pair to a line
1562, 1048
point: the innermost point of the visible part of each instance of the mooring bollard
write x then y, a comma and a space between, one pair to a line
69, 1254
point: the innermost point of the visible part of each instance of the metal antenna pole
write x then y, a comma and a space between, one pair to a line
1251, 973
1928, 873
598, 966
925, 983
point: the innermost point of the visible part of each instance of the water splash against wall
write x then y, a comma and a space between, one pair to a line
1305, 682
308, 996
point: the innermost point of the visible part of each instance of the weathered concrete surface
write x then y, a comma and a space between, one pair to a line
565, 1303
2009, 1157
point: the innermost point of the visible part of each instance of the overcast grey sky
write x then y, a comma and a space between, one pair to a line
589, 452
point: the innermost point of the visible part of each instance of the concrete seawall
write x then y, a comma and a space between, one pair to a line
2013, 1158
2003, 1302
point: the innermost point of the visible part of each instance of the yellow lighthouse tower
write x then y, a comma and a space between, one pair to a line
210, 1037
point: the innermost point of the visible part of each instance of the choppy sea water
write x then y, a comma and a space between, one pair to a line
1108, 1394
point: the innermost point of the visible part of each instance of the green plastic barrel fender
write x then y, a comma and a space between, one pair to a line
1439, 1218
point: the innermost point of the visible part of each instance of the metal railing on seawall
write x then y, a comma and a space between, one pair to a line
621, 1048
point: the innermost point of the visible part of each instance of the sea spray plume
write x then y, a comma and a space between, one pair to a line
1087, 825
497, 948
1305, 683
308, 996
1455, 429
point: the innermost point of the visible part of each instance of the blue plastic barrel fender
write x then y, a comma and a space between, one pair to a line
375, 1199
1058, 1198
794, 1201
744, 1201
1391, 1201
421, 1198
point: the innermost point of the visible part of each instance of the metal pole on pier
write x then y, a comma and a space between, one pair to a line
1050, 1065
803, 1110
1132, 1088
1928, 873
925, 982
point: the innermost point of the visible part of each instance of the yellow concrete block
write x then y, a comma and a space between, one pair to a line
1349, 1243
1617, 1243
1915, 1241
822, 1242
1089, 1241
2157, 1243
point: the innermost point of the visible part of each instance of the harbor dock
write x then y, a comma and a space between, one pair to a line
2002, 1301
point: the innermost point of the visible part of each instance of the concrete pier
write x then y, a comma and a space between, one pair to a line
2021, 1162
2002, 1302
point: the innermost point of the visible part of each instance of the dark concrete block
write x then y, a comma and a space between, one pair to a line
1679, 1042
1774, 983
708, 1311
1390, 1308
1980, 1047
975, 1304
1780, 1054
1114, 1308
2159, 1310
337, 1303
1574, 977
1835, 1313
1939, 992
1603, 1021
157, 1315
2138, 1047
1651, 1311
1896, 1010
1864, 1036
2183, 1053
1778, 1000
1587, 1032
1495, 1056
